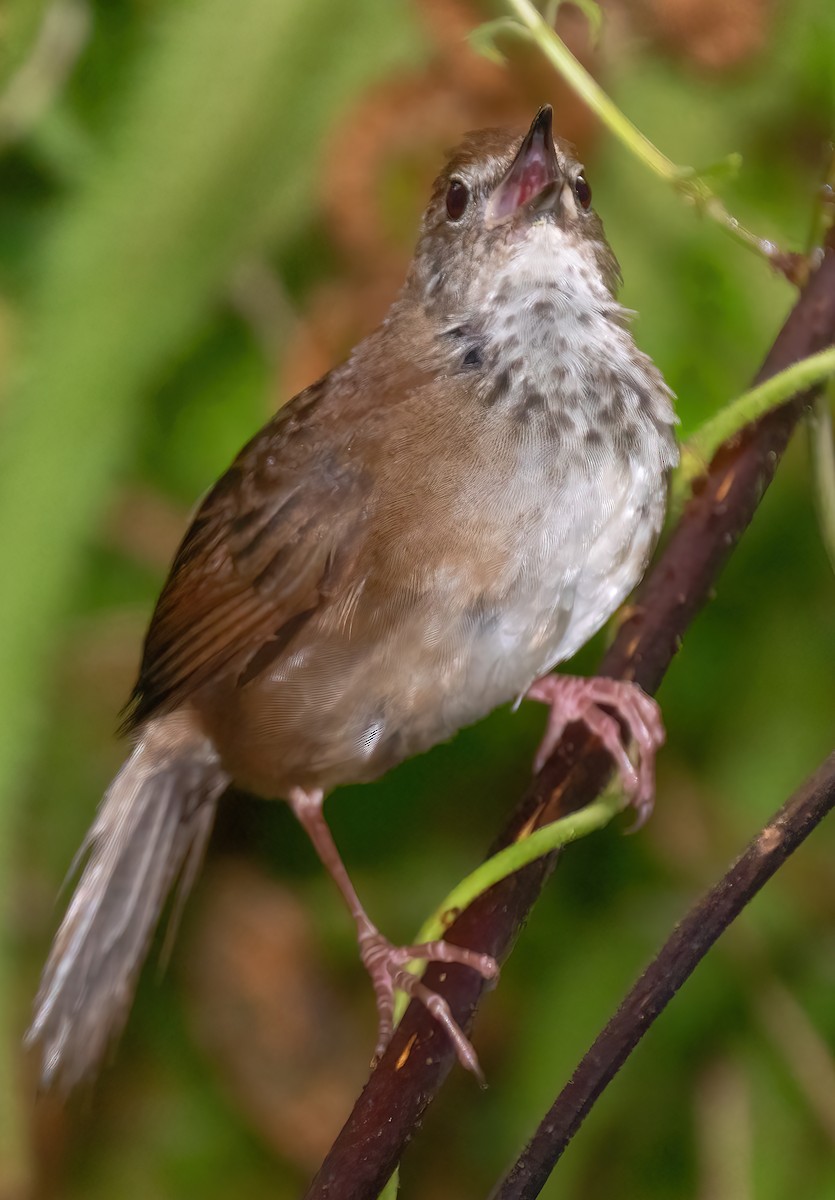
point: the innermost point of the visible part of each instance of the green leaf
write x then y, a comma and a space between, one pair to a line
591, 11
483, 38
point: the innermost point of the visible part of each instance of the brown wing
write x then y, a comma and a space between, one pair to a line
268, 545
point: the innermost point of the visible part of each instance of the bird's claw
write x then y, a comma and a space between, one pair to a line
573, 698
386, 964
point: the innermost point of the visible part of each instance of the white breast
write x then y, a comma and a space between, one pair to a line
589, 486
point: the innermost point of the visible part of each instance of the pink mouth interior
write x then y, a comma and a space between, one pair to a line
525, 181
534, 178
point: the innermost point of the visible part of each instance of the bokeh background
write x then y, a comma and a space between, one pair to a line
202, 207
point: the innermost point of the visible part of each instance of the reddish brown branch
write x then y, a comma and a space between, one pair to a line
391, 1106
675, 962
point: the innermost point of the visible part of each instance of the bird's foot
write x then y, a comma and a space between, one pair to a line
386, 964
572, 698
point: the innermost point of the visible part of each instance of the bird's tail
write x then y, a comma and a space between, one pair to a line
151, 830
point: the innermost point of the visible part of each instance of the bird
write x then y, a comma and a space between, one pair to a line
412, 541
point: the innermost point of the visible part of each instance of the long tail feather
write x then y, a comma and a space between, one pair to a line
151, 829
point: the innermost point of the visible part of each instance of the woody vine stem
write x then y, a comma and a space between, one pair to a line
417, 1061
724, 499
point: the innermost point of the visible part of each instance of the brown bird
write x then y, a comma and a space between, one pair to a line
415, 539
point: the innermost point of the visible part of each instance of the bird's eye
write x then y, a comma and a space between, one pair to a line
582, 191
457, 198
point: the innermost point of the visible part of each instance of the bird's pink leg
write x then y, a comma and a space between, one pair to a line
384, 962
572, 698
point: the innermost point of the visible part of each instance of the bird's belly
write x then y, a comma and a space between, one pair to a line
351, 700
347, 712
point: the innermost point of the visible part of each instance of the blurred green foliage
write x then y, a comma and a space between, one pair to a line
188, 138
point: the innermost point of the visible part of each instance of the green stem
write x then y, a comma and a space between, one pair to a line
684, 179
391, 1189
823, 214
701, 447
537, 844
589, 90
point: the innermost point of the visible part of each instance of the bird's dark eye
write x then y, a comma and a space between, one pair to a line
457, 198
582, 191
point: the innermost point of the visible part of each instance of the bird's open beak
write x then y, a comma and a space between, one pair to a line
534, 180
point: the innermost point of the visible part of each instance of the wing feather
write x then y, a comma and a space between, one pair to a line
267, 547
